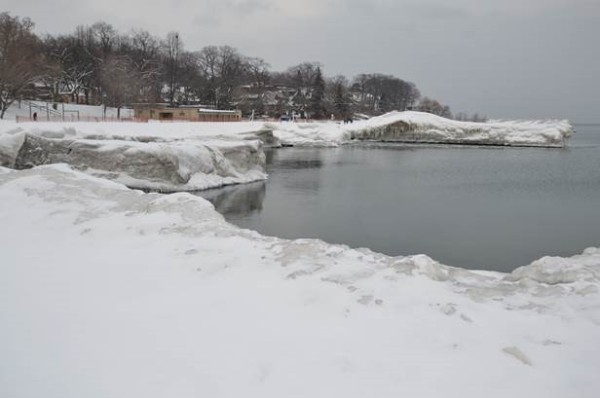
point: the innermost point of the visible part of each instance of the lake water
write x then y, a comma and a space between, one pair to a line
473, 207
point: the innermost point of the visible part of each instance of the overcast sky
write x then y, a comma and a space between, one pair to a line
502, 58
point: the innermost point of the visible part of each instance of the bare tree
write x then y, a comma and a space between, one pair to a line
145, 55
257, 79
433, 106
120, 81
20, 58
208, 60
379, 93
75, 63
188, 78
223, 69
106, 36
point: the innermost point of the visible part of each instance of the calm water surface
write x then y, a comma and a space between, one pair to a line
480, 208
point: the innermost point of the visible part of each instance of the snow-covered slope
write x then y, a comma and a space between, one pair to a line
108, 292
419, 127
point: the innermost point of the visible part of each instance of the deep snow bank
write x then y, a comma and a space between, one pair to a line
422, 127
111, 292
419, 127
176, 163
145, 132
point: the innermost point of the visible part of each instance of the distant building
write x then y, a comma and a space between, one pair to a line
273, 100
192, 113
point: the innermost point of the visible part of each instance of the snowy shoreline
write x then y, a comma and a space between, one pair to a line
137, 155
108, 291
424, 128
184, 156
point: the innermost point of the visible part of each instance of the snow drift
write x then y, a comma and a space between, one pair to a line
409, 127
146, 162
425, 128
145, 132
418, 127
110, 292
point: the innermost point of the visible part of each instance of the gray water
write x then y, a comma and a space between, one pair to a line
473, 207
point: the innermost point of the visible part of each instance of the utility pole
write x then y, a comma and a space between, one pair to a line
174, 55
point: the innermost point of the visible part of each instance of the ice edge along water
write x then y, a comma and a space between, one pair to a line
419, 127
107, 291
195, 156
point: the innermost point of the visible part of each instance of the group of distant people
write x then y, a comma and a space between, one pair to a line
293, 116
346, 119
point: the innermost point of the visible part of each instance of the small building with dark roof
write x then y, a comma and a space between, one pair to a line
193, 113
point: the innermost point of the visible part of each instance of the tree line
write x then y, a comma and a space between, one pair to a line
98, 65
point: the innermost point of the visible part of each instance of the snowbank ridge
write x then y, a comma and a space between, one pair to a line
418, 127
425, 128
155, 163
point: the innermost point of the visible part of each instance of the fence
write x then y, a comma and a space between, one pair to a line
76, 118
108, 119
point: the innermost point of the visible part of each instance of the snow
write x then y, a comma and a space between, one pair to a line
139, 155
409, 127
556, 270
110, 292
9, 147
144, 132
96, 111
420, 127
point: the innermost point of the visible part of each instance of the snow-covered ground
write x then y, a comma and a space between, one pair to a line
24, 110
110, 292
106, 291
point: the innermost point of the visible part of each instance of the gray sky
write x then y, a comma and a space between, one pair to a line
503, 58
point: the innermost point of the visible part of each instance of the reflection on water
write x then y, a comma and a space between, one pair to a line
237, 200
482, 208
296, 164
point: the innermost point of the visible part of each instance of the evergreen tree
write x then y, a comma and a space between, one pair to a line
317, 107
341, 101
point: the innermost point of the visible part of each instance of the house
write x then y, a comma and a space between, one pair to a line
193, 113
273, 100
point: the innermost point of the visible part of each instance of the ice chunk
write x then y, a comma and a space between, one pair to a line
166, 166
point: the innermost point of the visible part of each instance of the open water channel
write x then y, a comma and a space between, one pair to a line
474, 207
